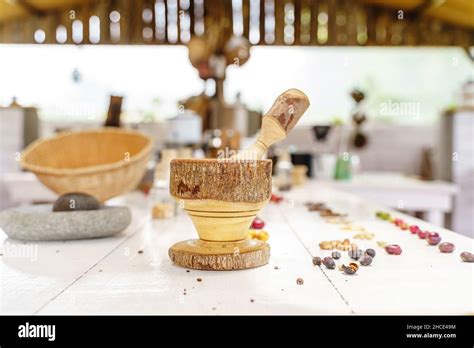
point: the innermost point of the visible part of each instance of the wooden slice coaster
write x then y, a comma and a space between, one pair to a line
220, 256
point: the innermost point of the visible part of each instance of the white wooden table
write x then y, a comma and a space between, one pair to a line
110, 276
401, 192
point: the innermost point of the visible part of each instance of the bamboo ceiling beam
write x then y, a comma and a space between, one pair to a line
331, 23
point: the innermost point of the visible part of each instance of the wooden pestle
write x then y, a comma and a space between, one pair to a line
277, 123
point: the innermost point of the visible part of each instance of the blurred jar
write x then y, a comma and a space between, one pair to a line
284, 172
324, 166
343, 167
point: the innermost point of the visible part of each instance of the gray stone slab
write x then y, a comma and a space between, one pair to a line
39, 222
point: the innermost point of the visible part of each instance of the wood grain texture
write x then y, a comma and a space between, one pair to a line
213, 256
288, 108
222, 180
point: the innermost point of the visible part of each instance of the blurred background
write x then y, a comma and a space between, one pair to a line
390, 82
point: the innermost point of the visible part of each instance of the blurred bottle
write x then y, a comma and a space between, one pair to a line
343, 167
284, 171
241, 117
163, 205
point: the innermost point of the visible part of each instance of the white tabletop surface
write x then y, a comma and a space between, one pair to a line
110, 276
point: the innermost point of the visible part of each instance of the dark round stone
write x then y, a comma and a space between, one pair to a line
365, 260
75, 202
370, 252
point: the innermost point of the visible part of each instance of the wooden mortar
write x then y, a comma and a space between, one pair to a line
222, 197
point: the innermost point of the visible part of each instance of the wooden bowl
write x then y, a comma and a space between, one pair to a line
103, 163
222, 197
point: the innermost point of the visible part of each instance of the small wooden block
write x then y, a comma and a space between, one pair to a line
220, 256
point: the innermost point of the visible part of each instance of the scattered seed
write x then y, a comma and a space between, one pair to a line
351, 269
213, 308
258, 224
446, 247
467, 256
365, 260
370, 252
393, 249
383, 215
329, 263
199, 279
57, 251
252, 300
336, 255
382, 244
300, 281
355, 254
100, 270
422, 234
276, 267
317, 261
140, 251
433, 238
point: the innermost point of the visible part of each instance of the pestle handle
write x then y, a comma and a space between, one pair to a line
288, 108
278, 122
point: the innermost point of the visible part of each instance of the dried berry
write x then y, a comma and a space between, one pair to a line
383, 215
336, 255
276, 198
258, 235
300, 281
398, 222
467, 256
393, 249
258, 224
351, 269
370, 252
329, 263
422, 234
317, 261
316, 206
414, 229
446, 247
433, 238
263, 236
365, 260
355, 254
